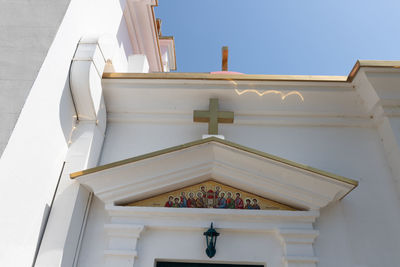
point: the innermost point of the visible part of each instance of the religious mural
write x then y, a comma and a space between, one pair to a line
211, 194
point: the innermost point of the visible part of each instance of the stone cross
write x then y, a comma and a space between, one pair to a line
213, 116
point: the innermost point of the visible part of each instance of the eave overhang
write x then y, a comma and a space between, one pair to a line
267, 175
254, 77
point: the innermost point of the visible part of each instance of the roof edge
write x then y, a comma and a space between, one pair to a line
352, 182
222, 77
258, 77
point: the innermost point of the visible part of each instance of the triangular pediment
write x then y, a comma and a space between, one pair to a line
224, 162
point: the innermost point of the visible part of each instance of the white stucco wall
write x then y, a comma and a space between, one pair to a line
365, 221
161, 244
27, 29
331, 130
32, 161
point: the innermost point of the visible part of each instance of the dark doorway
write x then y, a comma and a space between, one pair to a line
193, 264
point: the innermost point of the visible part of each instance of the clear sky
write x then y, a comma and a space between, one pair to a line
315, 37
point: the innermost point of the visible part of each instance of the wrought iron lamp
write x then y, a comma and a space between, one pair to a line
211, 240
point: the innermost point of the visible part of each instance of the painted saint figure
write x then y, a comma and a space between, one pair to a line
191, 202
221, 202
169, 203
210, 199
217, 191
183, 203
176, 203
255, 204
248, 205
230, 203
199, 200
238, 202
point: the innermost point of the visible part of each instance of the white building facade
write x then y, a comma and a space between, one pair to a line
105, 125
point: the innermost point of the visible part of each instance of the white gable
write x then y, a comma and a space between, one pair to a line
253, 171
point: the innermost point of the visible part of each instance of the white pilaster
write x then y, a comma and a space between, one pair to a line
381, 96
298, 247
60, 245
122, 242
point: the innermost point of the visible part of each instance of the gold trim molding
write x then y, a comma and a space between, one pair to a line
255, 77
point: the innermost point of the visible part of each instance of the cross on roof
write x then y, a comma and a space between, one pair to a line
213, 116
224, 58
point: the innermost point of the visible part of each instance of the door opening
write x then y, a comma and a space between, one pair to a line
194, 264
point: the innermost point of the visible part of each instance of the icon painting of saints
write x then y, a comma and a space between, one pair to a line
210, 194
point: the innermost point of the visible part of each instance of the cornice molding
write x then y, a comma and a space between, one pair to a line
217, 140
225, 77
263, 220
253, 77
278, 179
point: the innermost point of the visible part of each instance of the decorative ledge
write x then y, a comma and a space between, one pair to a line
121, 253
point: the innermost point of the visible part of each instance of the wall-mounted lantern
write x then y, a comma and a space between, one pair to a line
211, 240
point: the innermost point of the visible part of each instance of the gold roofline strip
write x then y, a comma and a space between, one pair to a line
257, 77
218, 140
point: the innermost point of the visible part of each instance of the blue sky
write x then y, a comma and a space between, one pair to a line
310, 37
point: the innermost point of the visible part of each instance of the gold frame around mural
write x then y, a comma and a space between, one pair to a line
211, 194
